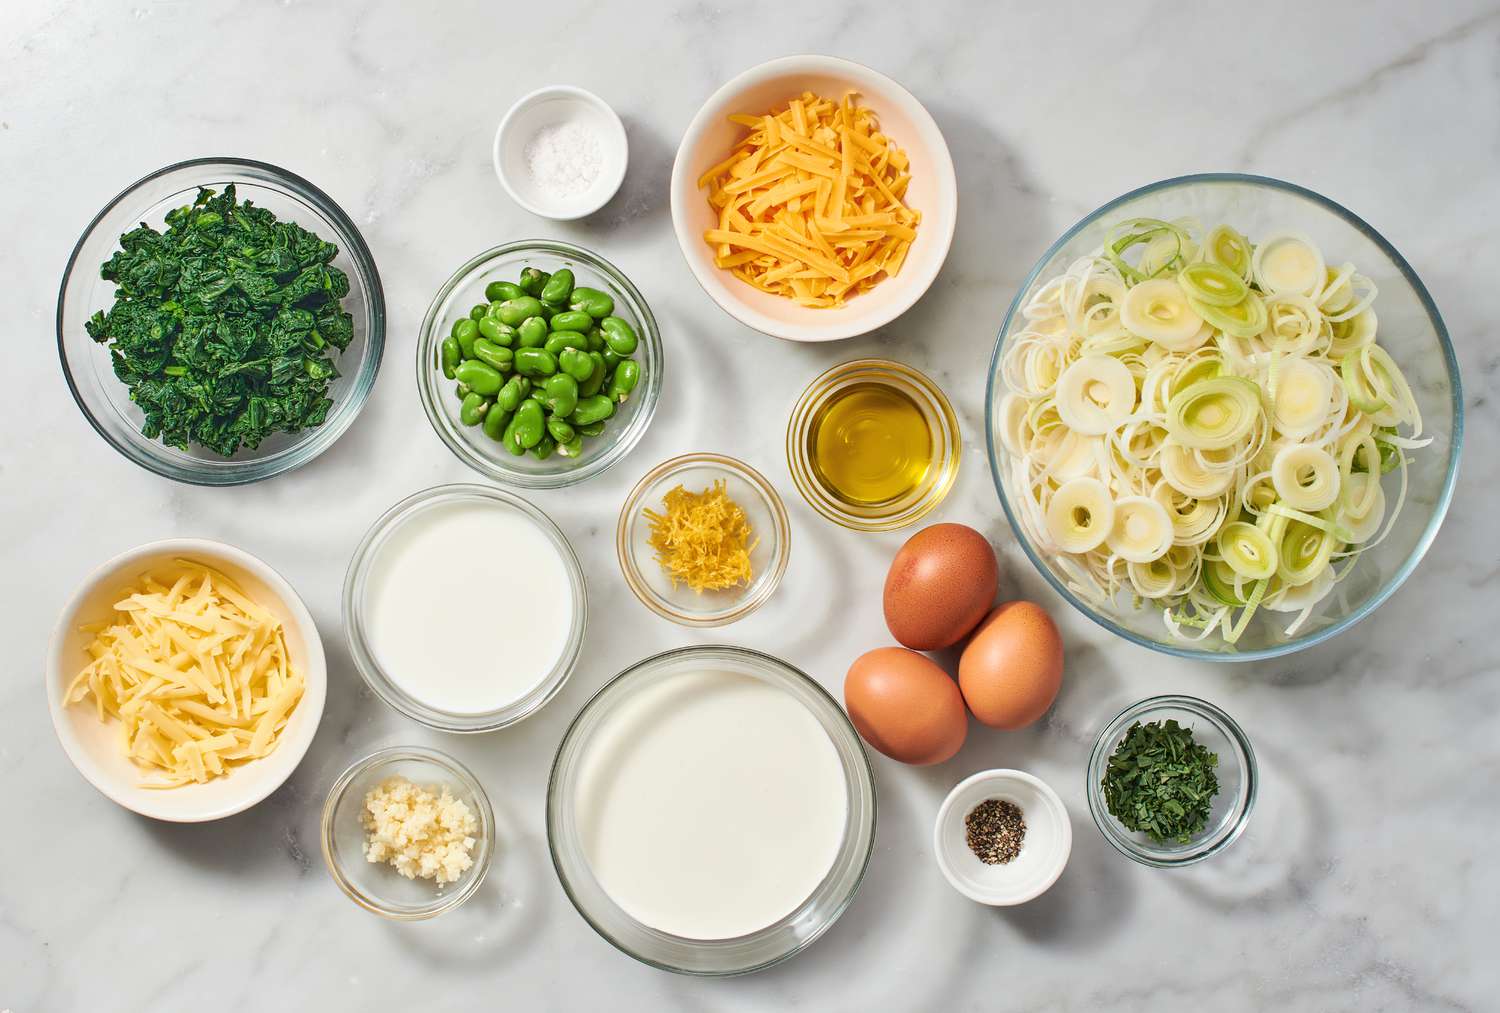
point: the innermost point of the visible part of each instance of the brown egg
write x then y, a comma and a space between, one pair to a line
939, 586
1011, 670
905, 705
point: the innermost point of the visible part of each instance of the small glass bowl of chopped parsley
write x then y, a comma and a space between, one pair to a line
1171, 781
221, 321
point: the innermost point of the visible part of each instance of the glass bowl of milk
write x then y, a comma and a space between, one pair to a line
465, 607
711, 811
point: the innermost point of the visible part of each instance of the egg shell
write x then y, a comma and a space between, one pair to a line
939, 586
904, 705
1011, 670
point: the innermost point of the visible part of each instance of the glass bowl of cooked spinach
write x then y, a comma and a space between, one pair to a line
1172, 780
221, 321
502, 321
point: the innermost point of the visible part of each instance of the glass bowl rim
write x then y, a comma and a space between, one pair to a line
764, 660
1445, 496
816, 392
401, 701
754, 597
451, 766
316, 440
1108, 738
626, 437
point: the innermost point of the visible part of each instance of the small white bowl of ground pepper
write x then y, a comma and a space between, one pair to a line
1002, 837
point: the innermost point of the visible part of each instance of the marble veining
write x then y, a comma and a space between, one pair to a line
1364, 880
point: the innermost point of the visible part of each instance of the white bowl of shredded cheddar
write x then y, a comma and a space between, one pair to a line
813, 198
186, 680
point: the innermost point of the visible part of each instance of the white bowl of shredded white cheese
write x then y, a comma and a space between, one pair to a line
561, 152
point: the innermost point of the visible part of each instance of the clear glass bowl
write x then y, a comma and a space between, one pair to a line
1410, 329
465, 289
1236, 772
768, 559
376, 886
105, 401
718, 957
942, 429
357, 626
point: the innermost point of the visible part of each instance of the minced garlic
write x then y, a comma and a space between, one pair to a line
419, 833
703, 540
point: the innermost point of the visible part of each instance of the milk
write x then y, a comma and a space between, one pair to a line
710, 804
468, 606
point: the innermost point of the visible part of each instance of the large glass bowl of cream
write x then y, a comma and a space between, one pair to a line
465, 608
711, 811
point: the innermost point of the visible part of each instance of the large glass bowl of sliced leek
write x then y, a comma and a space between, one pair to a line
1224, 417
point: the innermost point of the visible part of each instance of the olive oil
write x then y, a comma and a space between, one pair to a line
870, 444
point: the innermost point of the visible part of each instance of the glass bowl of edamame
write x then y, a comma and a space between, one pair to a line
539, 364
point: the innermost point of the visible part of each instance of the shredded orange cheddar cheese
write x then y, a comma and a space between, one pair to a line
703, 540
811, 204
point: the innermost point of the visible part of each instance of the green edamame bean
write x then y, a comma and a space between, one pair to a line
592, 409
627, 375
595, 303
571, 320
474, 407
619, 336
499, 291
552, 309
501, 334
495, 421
461, 391
592, 429
478, 311
452, 355
560, 430
575, 362
535, 362
530, 424
596, 340
508, 438
491, 354
562, 394
533, 280
513, 311
611, 359
465, 331
516, 388
544, 448
558, 340
572, 448
483, 379
558, 287
453, 331
532, 333
595, 381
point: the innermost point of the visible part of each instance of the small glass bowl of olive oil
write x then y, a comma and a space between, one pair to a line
873, 445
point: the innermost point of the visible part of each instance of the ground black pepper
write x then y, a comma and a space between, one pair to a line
995, 830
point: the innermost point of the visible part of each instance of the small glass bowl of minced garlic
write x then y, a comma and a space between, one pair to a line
408, 833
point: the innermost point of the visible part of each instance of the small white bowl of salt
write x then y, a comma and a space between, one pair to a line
561, 152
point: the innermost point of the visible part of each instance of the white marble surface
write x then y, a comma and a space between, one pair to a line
1366, 880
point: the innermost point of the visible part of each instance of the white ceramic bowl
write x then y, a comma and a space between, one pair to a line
93, 746
553, 106
1044, 852
710, 137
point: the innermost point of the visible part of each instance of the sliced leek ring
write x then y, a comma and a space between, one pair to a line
1306, 477
1304, 553
1245, 319
1080, 515
1142, 531
1219, 579
1353, 334
1095, 394
1194, 520
1158, 310
1184, 470
1248, 550
1227, 247
1133, 232
1362, 526
1214, 414
1212, 283
1156, 579
1013, 423
1362, 393
1298, 597
1304, 393
1289, 263
1293, 324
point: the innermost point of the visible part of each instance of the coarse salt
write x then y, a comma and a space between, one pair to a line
563, 160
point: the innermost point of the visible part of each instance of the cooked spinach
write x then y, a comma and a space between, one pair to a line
222, 325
